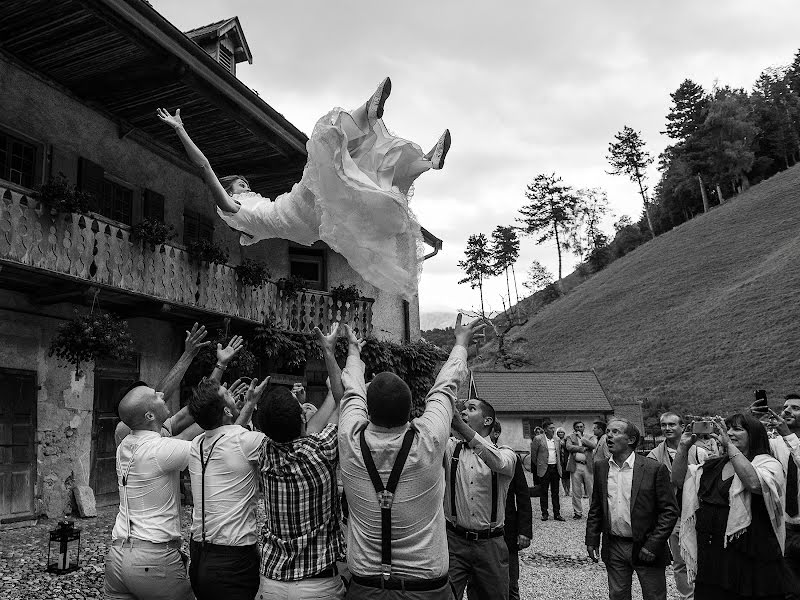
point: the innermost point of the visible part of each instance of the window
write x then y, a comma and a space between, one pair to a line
197, 227
528, 425
153, 206
116, 202
406, 321
17, 160
309, 264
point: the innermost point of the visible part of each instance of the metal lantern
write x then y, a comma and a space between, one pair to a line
64, 550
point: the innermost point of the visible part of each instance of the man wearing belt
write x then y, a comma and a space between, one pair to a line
222, 463
786, 449
580, 450
392, 476
477, 476
634, 508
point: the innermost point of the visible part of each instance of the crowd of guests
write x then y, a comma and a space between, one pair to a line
361, 501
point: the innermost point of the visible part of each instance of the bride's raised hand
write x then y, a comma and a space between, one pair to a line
171, 120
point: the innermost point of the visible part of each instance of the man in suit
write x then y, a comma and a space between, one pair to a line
634, 508
546, 451
580, 449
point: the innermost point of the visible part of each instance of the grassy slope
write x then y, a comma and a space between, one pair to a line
698, 318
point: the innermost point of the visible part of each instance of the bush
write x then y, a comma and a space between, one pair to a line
59, 196
253, 272
152, 232
344, 294
205, 251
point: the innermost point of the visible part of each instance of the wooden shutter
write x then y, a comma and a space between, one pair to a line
64, 162
153, 206
526, 428
205, 228
90, 180
190, 227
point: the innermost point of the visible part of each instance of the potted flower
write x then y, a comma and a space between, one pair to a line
58, 196
346, 295
152, 233
208, 252
86, 338
291, 286
253, 272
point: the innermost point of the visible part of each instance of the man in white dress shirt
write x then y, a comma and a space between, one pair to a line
634, 509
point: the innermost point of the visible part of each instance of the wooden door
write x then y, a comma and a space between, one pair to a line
17, 444
110, 382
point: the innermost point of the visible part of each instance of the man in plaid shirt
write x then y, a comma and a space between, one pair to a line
301, 537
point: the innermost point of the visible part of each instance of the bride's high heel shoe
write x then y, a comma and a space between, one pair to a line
378, 99
439, 151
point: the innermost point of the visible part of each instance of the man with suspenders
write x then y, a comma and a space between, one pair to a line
477, 475
392, 475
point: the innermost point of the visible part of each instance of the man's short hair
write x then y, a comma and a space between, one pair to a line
496, 427
602, 424
388, 400
546, 423
206, 405
792, 396
631, 430
487, 410
575, 424
279, 415
669, 413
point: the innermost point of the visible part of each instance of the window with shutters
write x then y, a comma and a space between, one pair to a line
116, 202
18, 160
309, 263
197, 227
226, 58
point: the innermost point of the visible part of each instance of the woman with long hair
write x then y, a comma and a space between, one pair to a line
353, 194
732, 531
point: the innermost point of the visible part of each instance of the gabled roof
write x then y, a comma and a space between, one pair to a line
542, 391
220, 28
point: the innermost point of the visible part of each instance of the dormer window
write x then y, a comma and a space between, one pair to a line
224, 41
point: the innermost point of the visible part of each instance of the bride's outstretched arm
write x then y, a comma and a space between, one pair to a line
221, 197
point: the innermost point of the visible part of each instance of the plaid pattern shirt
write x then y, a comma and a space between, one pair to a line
301, 535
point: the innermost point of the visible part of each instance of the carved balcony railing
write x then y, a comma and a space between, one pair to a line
92, 250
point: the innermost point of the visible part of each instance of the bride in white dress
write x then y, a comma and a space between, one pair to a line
353, 194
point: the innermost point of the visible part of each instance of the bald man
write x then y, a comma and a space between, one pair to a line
144, 560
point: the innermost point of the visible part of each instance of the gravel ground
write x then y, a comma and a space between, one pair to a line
555, 565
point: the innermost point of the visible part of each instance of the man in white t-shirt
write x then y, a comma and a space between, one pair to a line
222, 466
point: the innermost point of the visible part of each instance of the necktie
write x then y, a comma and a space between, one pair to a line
791, 489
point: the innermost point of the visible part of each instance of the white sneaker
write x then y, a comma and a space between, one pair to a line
378, 99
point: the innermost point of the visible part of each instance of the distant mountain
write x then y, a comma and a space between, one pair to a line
436, 320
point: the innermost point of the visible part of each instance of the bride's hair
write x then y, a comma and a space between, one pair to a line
227, 181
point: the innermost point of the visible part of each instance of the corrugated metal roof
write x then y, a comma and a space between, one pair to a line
542, 392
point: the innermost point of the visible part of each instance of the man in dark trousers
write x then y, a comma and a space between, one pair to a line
634, 508
546, 451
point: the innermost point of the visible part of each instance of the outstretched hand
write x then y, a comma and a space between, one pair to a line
255, 390
327, 342
224, 355
195, 339
722, 433
352, 340
780, 425
465, 334
173, 121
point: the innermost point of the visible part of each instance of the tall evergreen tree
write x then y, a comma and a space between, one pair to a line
505, 252
628, 156
478, 264
589, 209
549, 213
538, 277
689, 105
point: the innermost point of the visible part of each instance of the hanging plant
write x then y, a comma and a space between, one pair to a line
291, 286
58, 196
253, 272
343, 294
152, 232
205, 251
86, 338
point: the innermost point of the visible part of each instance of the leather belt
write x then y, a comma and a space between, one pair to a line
137, 543
395, 583
474, 536
621, 538
331, 571
222, 548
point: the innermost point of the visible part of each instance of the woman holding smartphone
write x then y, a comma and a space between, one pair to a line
732, 531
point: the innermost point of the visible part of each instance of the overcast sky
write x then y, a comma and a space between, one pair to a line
525, 87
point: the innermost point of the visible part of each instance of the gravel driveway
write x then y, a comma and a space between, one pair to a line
555, 566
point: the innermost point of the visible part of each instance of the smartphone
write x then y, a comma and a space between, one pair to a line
702, 427
760, 394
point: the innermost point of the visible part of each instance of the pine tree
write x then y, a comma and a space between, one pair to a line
505, 252
538, 277
628, 156
689, 105
591, 205
550, 212
477, 265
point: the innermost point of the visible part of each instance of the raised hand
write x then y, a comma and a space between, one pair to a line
173, 121
237, 389
687, 437
352, 340
255, 390
327, 342
780, 425
226, 354
299, 392
194, 340
722, 432
466, 333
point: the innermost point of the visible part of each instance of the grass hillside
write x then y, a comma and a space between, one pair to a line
696, 319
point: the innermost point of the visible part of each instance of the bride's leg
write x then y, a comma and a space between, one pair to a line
404, 179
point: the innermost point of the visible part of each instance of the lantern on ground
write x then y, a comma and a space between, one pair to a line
64, 550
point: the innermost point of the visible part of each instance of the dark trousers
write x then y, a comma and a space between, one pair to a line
224, 572
513, 578
550, 480
482, 563
362, 592
791, 557
620, 568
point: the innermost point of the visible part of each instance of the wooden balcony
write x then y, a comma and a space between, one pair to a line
95, 252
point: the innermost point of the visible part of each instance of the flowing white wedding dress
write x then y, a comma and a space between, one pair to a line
353, 196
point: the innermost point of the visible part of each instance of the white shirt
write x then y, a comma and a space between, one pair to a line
786, 449
231, 483
551, 449
620, 480
149, 504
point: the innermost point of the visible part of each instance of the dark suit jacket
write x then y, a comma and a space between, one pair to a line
540, 454
519, 517
654, 510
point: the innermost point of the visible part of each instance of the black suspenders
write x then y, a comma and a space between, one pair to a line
386, 494
453, 472
203, 465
